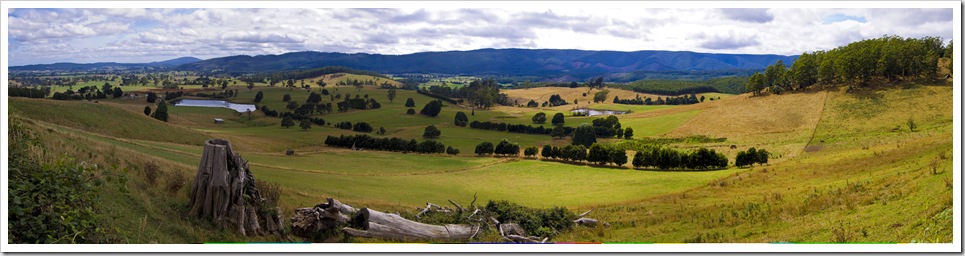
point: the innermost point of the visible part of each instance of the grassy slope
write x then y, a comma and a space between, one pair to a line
867, 183
727, 206
105, 119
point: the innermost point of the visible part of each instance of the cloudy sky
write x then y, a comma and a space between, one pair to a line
143, 35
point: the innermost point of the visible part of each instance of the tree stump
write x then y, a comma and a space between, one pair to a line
224, 192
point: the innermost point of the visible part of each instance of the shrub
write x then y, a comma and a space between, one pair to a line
537, 222
362, 127
161, 113
176, 182
62, 209
151, 172
286, 98
530, 151
452, 151
484, 148
410, 112
432, 109
461, 119
431, 132
147, 110
539, 118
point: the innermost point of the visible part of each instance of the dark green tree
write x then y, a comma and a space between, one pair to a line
259, 97
461, 119
547, 151
161, 113
484, 148
286, 98
558, 132
539, 118
432, 109
391, 95
452, 151
530, 151
558, 119
305, 124
628, 133
409, 103
431, 132
117, 93
147, 110
584, 135
410, 112
287, 122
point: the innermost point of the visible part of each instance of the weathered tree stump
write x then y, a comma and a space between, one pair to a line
224, 192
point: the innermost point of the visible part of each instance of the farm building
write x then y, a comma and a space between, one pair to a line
218, 121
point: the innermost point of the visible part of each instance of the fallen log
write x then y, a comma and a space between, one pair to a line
376, 224
309, 221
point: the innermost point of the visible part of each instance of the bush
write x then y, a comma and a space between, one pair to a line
530, 151
537, 222
410, 112
176, 182
344, 125
147, 110
161, 113
461, 119
539, 118
484, 148
362, 127
432, 109
431, 132
151, 172
452, 151
62, 209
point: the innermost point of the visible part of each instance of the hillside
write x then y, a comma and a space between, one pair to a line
576, 64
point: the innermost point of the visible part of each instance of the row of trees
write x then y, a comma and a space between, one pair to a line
540, 118
889, 58
751, 156
598, 154
666, 158
558, 131
504, 148
681, 100
364, 141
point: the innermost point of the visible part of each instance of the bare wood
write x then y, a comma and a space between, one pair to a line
590, 222
516, 238
473, 203
512, 229
224, 191
378, 224
584, 214
457, 205
473, 213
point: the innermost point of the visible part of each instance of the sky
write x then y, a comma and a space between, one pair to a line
131, 35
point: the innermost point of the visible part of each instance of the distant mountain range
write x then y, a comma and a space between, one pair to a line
64, 66
497, 62
548, 64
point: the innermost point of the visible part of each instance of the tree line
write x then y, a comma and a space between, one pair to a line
888, 58
751, 156
520, 128
364, 141
681, 100
666, 158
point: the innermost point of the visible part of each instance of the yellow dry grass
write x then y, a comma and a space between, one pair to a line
332, 79
541, 94
784, 123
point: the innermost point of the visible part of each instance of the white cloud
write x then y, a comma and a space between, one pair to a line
128, 35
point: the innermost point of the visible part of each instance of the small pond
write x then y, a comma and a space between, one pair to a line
596, 112
214, 104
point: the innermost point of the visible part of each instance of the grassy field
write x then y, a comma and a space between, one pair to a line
846, 167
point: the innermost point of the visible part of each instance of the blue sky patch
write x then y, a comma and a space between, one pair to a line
837, 17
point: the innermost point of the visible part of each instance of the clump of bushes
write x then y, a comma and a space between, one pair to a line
538, 222
49, 203
751, 156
